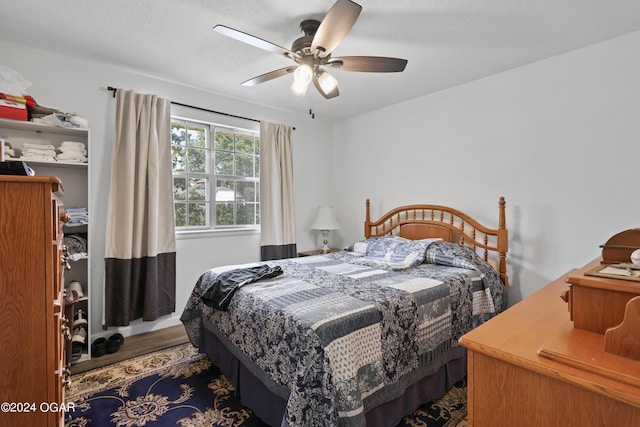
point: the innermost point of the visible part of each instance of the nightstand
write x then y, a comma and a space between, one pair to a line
317, 252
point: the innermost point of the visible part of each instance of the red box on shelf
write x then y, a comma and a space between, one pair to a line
12, 110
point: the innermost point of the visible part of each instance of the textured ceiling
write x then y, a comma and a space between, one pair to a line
446, 42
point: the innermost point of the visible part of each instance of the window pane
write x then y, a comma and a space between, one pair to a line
225, 192
224, 139
198, 214
257, 146
224, 214
246, 192
245, 214
198, 189
181, 214
244, 165
178, 133
178, 158
244, 144
196, 160
179, 188
223, 163
197, 135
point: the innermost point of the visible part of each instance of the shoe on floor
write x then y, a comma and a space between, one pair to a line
99, 347
114, 342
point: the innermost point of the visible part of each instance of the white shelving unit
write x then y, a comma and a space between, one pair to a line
75, 182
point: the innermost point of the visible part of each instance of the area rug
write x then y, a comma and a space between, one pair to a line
180, 387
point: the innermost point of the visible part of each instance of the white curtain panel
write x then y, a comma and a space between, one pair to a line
277, 217
140, 242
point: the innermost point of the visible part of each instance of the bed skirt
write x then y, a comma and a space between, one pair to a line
270, 407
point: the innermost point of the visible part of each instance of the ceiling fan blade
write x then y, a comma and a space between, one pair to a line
254, 41
335, 92
371, 64
335, 26
269, 76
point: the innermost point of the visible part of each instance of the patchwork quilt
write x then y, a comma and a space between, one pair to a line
341, 333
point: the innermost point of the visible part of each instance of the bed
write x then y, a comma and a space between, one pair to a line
361, 336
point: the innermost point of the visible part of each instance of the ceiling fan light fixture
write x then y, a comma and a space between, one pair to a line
313, 51
299, 87
327, 82
303, 74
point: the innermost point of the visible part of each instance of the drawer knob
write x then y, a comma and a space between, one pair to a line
66, 331
66, 382
64, 257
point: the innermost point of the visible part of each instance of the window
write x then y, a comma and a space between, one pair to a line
215, 166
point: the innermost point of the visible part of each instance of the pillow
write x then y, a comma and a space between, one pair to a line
361, 246
366, 246
393, 252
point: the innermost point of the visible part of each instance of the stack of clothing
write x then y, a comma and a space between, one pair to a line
76, 245
9, 153
71, 151
39, 112
77, 216
39, 152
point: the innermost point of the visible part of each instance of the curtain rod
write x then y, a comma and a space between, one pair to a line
115, 89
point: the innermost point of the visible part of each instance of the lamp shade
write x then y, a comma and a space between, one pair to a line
327, 82
325, 219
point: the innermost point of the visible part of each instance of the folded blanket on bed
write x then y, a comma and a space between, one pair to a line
219, 292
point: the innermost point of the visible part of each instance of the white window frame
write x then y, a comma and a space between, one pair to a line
210, 200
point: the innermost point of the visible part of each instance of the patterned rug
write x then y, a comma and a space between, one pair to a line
179, 387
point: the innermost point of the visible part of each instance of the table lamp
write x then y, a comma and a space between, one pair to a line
325, 221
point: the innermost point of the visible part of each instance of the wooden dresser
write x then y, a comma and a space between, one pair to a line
512, 384
33, 367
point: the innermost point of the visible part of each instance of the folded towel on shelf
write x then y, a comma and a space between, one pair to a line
77, 216
72, 151
38, 157
72, 144
29, 146
41, 152
71, 157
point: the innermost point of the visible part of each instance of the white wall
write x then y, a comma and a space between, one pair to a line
78, 86
560, 139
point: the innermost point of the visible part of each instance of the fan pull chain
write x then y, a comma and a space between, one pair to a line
311, 112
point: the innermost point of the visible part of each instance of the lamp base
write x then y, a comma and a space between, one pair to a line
325, 241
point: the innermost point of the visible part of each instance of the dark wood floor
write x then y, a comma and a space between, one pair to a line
136, 345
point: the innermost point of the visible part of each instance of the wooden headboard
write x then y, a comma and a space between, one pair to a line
428, 221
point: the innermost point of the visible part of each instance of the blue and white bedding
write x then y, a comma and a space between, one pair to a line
341, 333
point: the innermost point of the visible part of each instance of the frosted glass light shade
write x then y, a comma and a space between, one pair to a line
301, 79
299, 87
327, 82
303, 74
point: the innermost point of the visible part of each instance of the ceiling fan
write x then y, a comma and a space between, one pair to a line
312, 52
